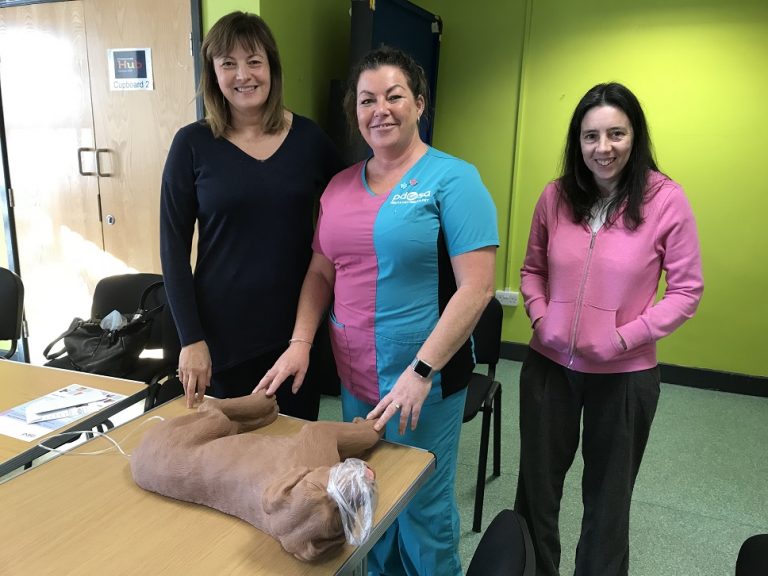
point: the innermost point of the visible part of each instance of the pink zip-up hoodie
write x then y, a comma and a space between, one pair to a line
588, 288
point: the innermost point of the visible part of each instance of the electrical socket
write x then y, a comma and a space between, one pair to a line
507, 297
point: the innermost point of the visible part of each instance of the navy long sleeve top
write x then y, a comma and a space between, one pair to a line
255, 223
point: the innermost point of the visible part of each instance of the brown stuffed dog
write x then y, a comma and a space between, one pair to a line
276, 483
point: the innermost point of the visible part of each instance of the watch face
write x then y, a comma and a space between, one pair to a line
422, 368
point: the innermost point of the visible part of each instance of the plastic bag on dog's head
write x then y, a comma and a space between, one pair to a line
355, 494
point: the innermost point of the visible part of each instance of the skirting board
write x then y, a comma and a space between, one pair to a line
680, 375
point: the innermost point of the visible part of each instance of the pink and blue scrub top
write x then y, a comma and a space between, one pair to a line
391, 253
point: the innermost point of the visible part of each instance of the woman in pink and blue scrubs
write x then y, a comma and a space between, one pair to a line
404, 250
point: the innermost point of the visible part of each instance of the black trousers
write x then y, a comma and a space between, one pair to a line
240, 380
617, 411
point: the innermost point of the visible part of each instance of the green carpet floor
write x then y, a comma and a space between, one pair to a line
702, 488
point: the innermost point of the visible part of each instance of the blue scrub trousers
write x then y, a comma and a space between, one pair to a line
424, 539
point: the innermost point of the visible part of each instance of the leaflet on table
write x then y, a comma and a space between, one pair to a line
69, 404
59, 404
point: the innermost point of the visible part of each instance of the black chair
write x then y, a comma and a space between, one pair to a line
164, 391
123, 293
484, 395
505, 549
11, 309
753, 556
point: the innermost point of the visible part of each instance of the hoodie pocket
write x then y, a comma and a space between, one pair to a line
554, 328
597, 338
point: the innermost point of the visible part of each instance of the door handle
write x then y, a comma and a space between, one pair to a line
99, 152
80, 161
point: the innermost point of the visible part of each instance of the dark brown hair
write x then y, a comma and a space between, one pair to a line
385, 56
577, 183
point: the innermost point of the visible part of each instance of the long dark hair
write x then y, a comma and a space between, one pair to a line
577, 184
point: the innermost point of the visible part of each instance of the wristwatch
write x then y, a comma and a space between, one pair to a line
422, 368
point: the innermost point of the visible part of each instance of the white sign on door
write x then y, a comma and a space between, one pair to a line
130, 69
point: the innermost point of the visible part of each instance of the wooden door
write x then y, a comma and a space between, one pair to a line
47, 112
56, 100
137, 126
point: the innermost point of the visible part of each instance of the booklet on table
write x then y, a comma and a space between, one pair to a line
31, 420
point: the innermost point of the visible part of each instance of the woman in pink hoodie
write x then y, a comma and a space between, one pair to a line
600, 238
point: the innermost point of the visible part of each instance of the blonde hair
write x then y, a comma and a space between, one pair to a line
251, 32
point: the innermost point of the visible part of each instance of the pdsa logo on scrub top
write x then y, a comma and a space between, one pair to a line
411, 197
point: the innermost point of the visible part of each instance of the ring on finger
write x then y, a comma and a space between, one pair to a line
397, 405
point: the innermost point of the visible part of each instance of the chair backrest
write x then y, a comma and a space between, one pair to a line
505, 548
123, 293
753, 556
11, 308
487, 334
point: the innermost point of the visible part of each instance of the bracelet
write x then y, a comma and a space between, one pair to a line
292, 340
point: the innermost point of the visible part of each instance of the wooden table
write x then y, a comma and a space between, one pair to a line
21, 383
83, 515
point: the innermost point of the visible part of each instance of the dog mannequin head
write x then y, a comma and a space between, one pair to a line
301, 513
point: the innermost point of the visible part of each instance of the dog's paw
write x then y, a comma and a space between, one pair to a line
368, 423
209, 404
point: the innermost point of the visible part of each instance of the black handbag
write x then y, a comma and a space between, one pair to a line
91, 348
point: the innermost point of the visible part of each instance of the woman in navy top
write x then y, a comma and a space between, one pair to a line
248, 176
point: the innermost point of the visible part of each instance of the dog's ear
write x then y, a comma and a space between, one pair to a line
302, 516
277, 496
320, 532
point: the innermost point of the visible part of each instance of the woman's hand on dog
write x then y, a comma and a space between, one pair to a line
293, 362
194, 371
405, 399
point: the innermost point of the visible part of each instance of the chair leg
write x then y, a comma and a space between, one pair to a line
481, 469
152, 390
497, 432
101, 428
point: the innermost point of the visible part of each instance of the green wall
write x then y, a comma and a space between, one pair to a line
510, 75
477, 86
313, 38
215, 9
